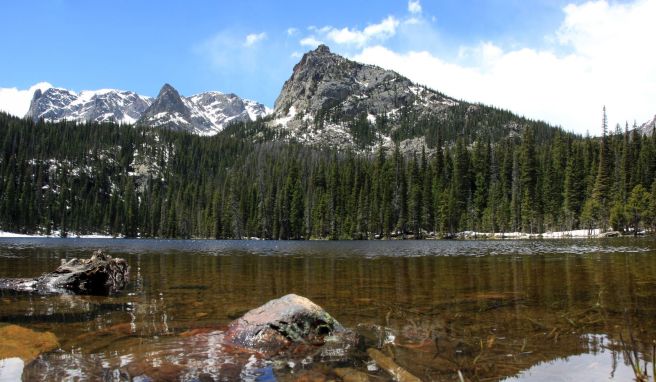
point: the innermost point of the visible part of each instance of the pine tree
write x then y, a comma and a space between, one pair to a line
602, 181
529, 182
637, 208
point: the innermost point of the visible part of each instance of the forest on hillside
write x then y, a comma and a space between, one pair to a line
248, 182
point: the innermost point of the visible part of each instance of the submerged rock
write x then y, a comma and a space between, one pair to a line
283, 323
99, 275
23, 343
286, 335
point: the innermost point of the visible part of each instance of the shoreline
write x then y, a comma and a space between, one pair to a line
55, 235
465, 235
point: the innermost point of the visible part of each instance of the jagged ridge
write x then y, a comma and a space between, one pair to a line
204, 113
105, 105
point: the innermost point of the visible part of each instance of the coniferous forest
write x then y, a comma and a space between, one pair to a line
253, 181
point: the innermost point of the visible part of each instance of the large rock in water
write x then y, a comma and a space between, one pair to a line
281, 324
99, 275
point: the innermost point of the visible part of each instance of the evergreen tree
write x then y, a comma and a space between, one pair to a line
602, 181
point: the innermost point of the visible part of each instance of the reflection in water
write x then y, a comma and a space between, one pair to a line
489, 309
599, 363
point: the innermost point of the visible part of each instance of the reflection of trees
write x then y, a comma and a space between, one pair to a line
488, 316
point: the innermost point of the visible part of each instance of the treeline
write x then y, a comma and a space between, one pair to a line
245, 182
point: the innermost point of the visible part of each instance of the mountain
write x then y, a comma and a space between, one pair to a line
322, 81
332, 100
55, 104
649, 127
204, 113
328, 100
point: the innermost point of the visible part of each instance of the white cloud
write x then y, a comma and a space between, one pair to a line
291, 31
414, 6
354, 37
228, 50
609, 60
310, 42
17, 102
254, 38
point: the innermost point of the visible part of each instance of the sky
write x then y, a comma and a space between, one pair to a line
559, 61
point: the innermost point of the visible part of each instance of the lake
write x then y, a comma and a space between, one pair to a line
543, 310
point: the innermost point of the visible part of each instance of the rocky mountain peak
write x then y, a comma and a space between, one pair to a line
328, 87
168, 100
204, 113
322, 49
168, 90
37, 94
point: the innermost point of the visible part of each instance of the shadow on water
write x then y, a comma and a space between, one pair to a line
489, 310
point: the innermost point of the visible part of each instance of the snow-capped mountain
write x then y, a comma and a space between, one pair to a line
55, 104
204, 113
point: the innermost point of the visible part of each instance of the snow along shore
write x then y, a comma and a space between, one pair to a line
573, 234
55, 234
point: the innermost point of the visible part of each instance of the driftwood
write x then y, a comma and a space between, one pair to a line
387, 364
99, 275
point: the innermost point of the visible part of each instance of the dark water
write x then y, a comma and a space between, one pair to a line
524, 310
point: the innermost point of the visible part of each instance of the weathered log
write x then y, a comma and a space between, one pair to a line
99, 275
397, 372
289, 321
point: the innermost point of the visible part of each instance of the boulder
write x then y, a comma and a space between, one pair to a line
290, 321
99, 275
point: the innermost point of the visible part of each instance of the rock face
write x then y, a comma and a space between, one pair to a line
99, 275
649, 127
106, 105
324, 86
168, 110
204, 113
282, 323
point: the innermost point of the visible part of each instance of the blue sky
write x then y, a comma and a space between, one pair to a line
467, 49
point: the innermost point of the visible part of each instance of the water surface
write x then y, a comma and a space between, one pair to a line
523, 310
